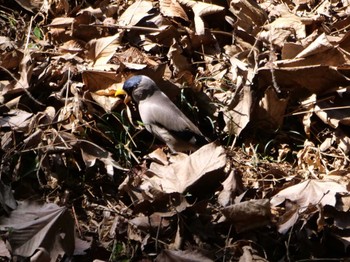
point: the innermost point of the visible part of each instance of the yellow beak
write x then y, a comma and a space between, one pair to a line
121, 91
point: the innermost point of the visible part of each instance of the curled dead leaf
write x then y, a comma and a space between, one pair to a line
206, 164
172, 8
249, 214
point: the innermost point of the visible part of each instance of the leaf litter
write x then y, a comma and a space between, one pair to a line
266, 81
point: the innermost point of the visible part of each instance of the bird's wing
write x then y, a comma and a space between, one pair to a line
159, 110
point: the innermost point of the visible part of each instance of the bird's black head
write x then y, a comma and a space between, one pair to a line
132, 83
139, 87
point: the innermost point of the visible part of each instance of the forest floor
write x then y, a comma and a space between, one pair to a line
267, 81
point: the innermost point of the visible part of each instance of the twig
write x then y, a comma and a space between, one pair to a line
318, 110
157, 234
76, 221
150, 29
25, 90
28, 35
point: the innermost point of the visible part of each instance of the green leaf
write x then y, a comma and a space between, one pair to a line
37, 33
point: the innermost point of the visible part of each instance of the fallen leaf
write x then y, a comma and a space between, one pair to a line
289, 218
4, 252
91, 152
31, 226
101, 50
238, 113
98, 79
135, 13
250, 15
334, 115
177, 59
272, 109
310, 192
201, 9
181, 256
320, 45
30, 5
250, 254
303, 81
7, 199
206, 163
249, 214
172, 9
232, 186
16, 119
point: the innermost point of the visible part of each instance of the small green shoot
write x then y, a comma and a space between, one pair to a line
37, 33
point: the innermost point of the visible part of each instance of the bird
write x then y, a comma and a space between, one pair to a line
160, 116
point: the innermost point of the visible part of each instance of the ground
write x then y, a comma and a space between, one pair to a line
265, 81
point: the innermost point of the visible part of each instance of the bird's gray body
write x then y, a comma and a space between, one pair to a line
161, 116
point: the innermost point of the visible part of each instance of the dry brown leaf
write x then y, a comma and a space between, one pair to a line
26, 70
98, 80
303, 81
30, 5
177, 59
61, 22
33, 226
135, 13
305, 197
72, 46
320, 45
239, 69
41, 255
282, 29
159, 156
330, 57
201, 9
291, 50
91, 152
146, 223
71, 116
343, 140
107, 100
334, 115
272, 109
7, 199
310, 192
207, 163
181, 256
249, 214
172, 8
308, 105
96, 12
33, 140
4, 252
233, 186
237, 114
135, 59
250, 15
11, 60
16, 119
250, 255
343, 201
311, 161
101, 50
289, 218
